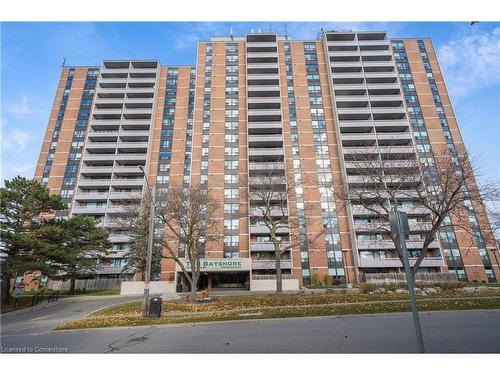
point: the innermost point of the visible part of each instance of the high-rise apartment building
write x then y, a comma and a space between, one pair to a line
307, 108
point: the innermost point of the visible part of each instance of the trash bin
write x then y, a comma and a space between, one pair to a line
155, 307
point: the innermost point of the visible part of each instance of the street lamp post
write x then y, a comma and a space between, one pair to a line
399, 226
149, 255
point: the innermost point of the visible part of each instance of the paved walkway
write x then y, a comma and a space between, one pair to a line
45, 316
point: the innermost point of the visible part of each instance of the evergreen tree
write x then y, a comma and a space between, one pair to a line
23, 205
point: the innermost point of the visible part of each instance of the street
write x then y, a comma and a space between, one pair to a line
444, 332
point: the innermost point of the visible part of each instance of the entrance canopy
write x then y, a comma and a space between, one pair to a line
219, 264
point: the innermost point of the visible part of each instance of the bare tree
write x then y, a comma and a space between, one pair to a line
444, 188
269, 191
191, 223
188, 217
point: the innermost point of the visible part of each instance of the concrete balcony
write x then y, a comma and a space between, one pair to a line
263, 76
85, 197
257, 88
105, 147
360, 150
112, 82
103, 136
272, 127
263, 100
125, 195
98, 157
132, 145
127, 182
107, 101
132, 156
91, 170
342, 43
264, 112
262, 229
94, 182
265, 152
386, 53
404, 150
396, 263
127, 170
388, 244
345, 64
106, 111
105, 70
252, 54
378, 64
374, 43
377, 227
134, 135
354, 111
136, 122
141, 91
270, 264
275, 140
413, 211
275, 212
149, 81
352, 86
354, 53
121, 209
119, 238
86, 210
256, 166
109, 270
386, 164
264, 246
383, 86
261, 44
139, 113
394, 136
262, 65
358, 138
354, 99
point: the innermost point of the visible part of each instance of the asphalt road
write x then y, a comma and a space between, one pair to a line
444, 332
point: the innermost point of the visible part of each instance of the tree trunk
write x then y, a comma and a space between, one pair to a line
5, 288
194, 286
279, 282
72, 285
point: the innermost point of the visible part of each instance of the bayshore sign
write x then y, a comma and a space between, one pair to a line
219, 264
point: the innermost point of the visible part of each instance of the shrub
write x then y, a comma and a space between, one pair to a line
327, 279
451, 285
315, 280
365, 288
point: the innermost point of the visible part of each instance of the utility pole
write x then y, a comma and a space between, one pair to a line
147, 273
399, 226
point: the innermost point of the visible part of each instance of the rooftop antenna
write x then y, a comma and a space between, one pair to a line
231, 32
286, 32
63, 62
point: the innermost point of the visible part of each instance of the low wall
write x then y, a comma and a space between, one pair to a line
85, 284
270, 285
400, 278
136, 288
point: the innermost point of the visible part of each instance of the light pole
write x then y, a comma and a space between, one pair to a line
399, 226
147, 272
